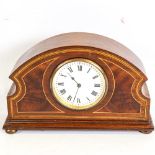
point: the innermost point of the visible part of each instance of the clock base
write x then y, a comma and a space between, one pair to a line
12, 126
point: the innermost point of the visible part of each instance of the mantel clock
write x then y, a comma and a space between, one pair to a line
78, 81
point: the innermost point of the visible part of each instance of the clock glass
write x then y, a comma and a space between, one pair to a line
78, 84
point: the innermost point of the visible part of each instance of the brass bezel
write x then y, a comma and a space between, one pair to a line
74, 107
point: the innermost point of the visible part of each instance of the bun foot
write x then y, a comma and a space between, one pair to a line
146, 131
10, 131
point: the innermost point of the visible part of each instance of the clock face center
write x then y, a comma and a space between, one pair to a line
78, 84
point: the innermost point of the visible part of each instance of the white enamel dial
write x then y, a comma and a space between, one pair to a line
78, 84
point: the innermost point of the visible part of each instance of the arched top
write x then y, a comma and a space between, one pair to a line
81, 39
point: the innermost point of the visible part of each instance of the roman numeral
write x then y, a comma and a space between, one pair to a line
63, 75
96, 85
70, 69
69, 98
87, 98
96, 76
79, 68
63, 91
88, 70
61, 84
78, 100
94, 93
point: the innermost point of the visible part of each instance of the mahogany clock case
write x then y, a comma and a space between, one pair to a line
32, 105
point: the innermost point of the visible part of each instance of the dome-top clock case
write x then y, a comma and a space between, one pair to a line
78, 81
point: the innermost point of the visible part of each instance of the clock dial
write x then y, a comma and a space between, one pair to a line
78, 84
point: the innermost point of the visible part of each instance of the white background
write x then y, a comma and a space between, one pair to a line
23, 23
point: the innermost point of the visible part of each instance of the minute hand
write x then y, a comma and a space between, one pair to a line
76, 93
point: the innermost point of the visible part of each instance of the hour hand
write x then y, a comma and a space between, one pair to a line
73, 78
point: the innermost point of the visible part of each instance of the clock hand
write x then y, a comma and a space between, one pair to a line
73, 78
78, 86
